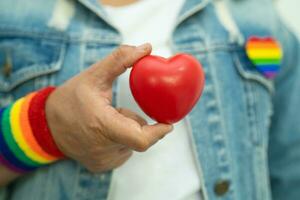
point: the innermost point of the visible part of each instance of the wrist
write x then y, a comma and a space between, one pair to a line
53, 118
25, 139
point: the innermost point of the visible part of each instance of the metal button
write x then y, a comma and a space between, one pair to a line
7, 66
222, 187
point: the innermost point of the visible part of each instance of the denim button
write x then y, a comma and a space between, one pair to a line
7, 66
222, 187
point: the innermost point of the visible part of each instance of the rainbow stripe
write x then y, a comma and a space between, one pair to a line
19, 149
265, 54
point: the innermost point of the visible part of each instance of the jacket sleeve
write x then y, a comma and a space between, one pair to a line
284, 138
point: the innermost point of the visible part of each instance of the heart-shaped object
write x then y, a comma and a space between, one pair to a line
167, 89
265, 54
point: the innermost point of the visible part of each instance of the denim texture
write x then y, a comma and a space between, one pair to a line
246, 128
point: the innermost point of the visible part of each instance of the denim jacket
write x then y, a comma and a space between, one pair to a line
246, 128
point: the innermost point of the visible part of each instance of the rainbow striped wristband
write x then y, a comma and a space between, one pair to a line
26, 142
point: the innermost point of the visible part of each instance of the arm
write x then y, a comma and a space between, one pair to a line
284, 143
76, 120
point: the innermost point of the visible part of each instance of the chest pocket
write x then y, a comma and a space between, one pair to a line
23, 58
258, 97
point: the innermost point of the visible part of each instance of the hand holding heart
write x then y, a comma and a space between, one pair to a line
84, 124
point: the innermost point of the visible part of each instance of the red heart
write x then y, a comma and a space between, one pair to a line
167, 89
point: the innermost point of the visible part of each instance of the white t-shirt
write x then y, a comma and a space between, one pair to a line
168, 169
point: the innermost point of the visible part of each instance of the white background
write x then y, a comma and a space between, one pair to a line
290, 12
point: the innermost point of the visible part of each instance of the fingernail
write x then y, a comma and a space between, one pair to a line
144, 47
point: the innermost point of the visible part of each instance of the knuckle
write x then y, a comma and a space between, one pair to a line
95, 126
121, 52
142, 121
120, 110
94, 169
142, 145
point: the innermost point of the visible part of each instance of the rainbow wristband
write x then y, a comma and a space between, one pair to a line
34, 149
25, 139
10, 141
39, 125
8, 158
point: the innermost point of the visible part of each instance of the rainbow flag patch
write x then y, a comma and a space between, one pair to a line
265, 54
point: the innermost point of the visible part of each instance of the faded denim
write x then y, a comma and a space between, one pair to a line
246, 129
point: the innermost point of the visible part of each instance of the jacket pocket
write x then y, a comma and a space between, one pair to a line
258, 91
248, 71
23, 58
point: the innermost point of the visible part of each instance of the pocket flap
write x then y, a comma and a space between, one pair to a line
248, 71
28, 58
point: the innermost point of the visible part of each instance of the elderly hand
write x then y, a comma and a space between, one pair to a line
84, 124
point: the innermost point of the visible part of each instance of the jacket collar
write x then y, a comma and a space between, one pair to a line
189, 8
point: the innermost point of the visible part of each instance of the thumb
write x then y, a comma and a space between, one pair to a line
119, 60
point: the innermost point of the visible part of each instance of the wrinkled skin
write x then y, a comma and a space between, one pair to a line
84, 124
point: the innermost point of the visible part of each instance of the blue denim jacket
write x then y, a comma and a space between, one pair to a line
246, 128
